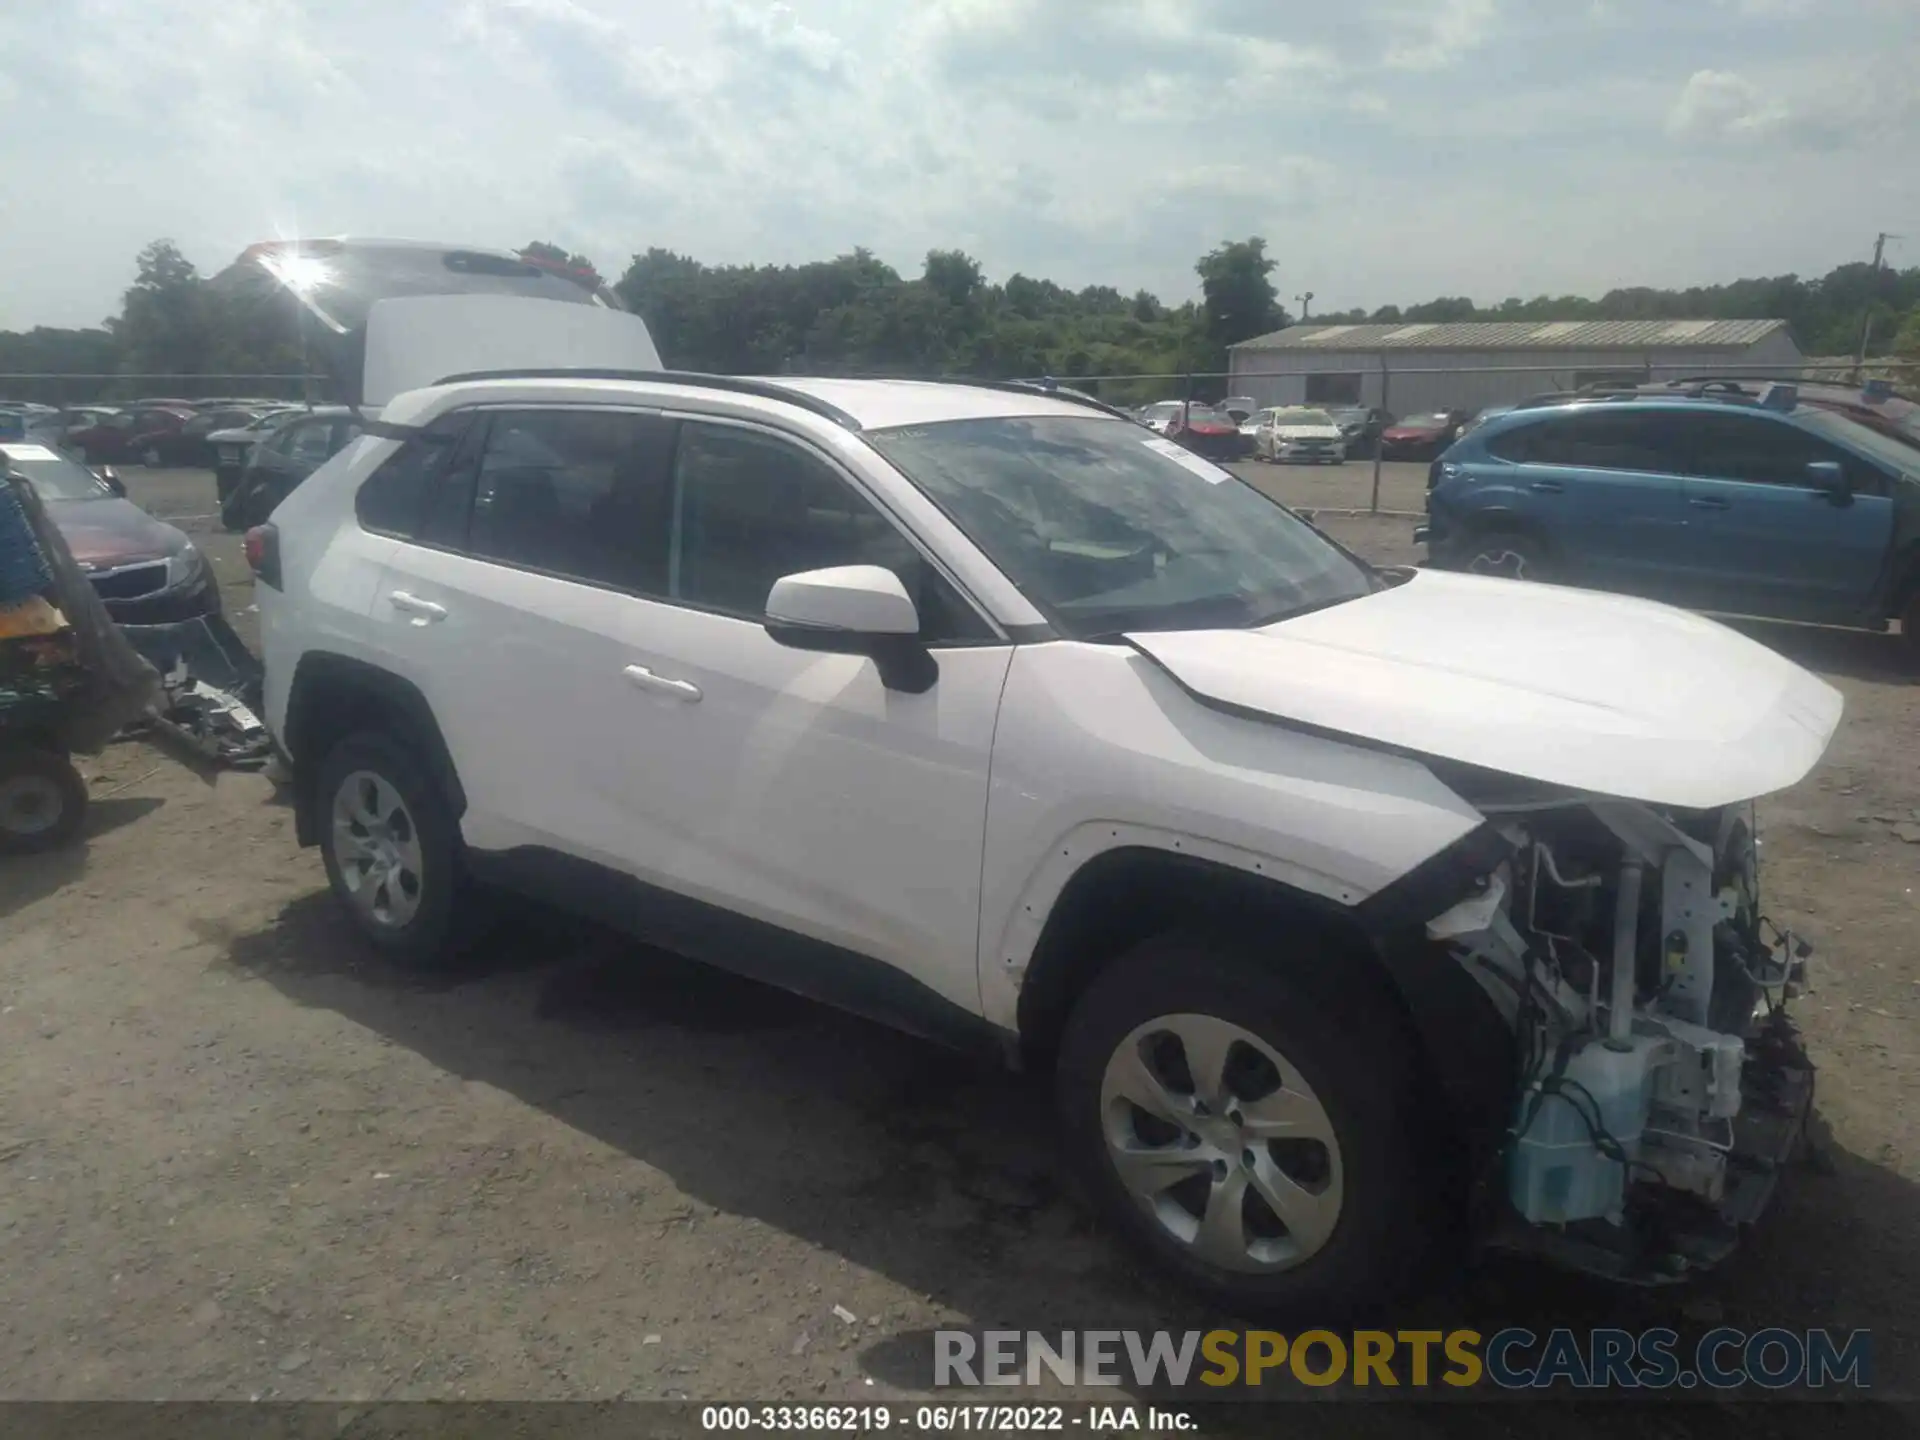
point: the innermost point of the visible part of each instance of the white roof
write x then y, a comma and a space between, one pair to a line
877, 404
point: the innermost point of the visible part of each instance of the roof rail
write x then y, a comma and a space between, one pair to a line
735, 384
1048, 386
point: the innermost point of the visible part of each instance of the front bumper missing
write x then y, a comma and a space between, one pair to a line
1672, 1235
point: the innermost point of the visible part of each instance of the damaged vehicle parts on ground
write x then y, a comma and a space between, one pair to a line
1343, 904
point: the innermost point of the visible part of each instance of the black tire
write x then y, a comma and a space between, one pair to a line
43, 800
233, 509
1507, 553
438, 929
1347, 1046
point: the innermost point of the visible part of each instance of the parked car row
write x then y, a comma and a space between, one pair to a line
1360, 427
1209, 430
125, 432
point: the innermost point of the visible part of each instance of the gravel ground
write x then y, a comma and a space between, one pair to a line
239, 1157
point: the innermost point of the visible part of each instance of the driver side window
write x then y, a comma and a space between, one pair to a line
750, 507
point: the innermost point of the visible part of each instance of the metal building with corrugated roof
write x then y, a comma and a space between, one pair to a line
1412, 368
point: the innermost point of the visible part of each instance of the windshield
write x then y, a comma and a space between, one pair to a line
1297, 416
1107, 530
1894, 454
1427, 421
1206, 415
52, 475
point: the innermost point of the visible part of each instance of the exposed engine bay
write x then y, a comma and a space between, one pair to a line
1660, 1084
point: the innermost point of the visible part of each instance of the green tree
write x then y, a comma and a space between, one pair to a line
953, 274
1239, 298
167, 325
1906, 339
551, 254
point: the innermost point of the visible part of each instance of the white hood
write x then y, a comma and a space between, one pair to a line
1308, 432
1598, 693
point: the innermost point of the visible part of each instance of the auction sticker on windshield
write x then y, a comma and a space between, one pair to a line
1187, 460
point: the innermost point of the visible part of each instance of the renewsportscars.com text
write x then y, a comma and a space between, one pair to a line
1509, 1359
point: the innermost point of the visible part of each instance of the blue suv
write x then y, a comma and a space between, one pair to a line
1771, 509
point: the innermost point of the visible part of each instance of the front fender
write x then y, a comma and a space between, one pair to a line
1098, 749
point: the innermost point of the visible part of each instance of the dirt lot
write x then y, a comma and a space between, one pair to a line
240, 1158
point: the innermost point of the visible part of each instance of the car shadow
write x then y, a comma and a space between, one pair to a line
27, 878
942, 1173
1857, 654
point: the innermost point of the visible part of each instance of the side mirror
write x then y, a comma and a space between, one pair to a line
114, 482
854, 610
1828, 475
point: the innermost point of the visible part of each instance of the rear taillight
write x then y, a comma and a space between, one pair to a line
263, 553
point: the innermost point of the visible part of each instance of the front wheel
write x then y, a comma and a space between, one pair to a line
43, 800
1247, 1132
391, 848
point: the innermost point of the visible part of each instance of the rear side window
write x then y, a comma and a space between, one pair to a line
1594, 440
393, 500
580, 493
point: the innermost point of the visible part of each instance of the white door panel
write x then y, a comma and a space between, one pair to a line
525, 676
799, 790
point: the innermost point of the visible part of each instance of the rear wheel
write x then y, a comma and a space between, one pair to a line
1910, 628
151, 457
392, 849
1248, 1132
43, 800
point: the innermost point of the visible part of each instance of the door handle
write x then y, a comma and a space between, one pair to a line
1547, 487
685, 690
424, 612
1710, 502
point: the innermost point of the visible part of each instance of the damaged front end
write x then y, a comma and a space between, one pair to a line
1660, 1086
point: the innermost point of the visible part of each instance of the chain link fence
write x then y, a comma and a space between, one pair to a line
64, 390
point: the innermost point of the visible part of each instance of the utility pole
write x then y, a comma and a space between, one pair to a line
1866, 321
1306, 301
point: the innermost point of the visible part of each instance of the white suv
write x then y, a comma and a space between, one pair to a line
1343, 903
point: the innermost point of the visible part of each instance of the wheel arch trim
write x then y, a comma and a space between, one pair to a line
324, 677
1080, 855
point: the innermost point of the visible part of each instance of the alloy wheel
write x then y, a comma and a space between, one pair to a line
1221, 1141
377, 848
30, 805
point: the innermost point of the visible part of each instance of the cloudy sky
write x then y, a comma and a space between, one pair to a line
1389, 150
